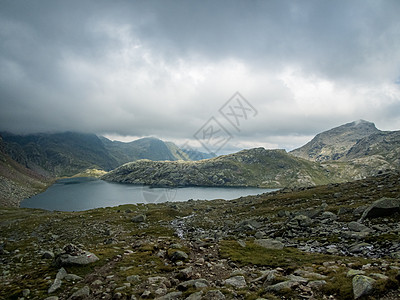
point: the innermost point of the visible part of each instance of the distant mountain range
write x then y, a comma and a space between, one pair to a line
68, 153
351, 151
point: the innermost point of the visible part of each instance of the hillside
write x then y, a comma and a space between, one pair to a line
69, 153
334, 144
16, 181
338, 241
382, 145
253, 167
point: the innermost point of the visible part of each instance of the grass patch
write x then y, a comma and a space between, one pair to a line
257, 255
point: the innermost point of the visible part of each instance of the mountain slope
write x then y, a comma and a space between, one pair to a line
335, 143
254, 167
16, 181
383, 145
59, 154
68, 153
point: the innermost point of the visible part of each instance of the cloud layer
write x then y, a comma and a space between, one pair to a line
164, 68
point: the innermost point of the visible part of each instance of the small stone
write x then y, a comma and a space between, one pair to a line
47, 255
316, 284
213, 295
170, 296
178, 255
186, 273
194, 283
72, 277
285, 285
81, 293
146, 294
55, 286
352, 273
139, 219
242, 243
358, 227
61, 274
133, 278
195, 296
237, 282
26, 292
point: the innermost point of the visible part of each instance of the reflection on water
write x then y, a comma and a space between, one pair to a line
76, 194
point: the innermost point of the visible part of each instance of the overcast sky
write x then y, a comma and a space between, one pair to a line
128, 69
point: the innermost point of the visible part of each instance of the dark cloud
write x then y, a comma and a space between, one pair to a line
164, 68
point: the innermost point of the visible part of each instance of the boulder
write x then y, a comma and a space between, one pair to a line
362, 286
270, 244
382, 207
72, 255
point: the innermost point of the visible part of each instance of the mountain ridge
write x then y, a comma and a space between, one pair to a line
69, 153
333, 144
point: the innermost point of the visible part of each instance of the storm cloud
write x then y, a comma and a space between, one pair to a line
164, 68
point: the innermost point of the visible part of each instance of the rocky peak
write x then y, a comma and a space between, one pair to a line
333, 144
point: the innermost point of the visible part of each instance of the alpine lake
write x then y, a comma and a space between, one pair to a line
84, 193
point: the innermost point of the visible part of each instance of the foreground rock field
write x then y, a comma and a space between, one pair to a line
338, 241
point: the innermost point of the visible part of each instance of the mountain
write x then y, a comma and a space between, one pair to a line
59, 154
16, 181
68, 153
335, 143
253, 167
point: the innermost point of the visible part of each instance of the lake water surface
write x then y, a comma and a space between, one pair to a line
76, 194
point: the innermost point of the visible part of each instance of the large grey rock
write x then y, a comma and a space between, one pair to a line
362, 286
82, 259
269, 243
73, 255
237, 282
382, 207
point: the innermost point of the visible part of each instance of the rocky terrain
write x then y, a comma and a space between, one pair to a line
16, 181
358, 144
335, 241
334, 144
253, 167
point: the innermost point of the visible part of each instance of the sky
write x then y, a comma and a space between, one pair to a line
215, 75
